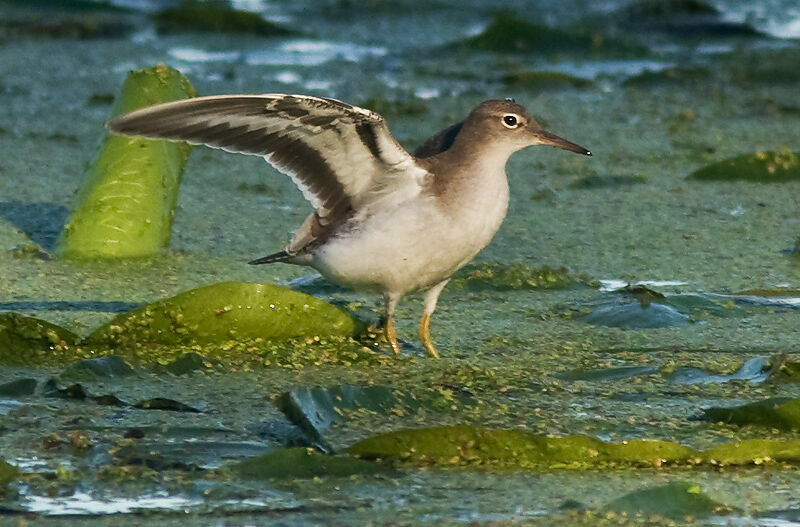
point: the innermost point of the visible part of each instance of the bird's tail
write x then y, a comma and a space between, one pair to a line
272, 258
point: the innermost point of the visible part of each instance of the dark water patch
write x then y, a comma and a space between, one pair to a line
18, 388
411, 107
544, 80
686, 19
170, 405
65, 305
764, 67
63, 23
41, 222
595, 181
675, 501
669, 76
762, 167
607, 374
509, 33
216, 18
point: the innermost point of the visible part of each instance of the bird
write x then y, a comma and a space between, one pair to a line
384, 220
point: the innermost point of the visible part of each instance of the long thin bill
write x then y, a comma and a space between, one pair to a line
546, 138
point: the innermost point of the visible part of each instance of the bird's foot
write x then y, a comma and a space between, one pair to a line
425, 335
391, 335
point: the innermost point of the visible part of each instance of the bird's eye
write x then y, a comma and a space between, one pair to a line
510, 120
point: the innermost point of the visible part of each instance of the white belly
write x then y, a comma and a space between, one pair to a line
414, 246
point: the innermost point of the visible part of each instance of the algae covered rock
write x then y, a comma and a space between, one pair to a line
224, 312
763, 167
27, 340
126, 200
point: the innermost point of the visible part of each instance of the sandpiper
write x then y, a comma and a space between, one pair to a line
384, 220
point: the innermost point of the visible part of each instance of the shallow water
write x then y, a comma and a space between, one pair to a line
700, 243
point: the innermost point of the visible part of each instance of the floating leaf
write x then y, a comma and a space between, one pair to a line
764, 167
675, 501
514, 449
781, 413
755, 452
224, 312
303, 463
26, 340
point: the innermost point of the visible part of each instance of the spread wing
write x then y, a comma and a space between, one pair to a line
342, 157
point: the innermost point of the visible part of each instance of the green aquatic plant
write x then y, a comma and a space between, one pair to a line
126, 200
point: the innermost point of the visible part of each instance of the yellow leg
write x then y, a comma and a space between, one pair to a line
391, 335
425, 335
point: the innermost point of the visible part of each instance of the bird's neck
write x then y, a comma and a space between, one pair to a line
471, 180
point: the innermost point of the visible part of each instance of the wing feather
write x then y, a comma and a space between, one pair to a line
343, 158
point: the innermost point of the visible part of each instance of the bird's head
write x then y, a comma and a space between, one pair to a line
508, 124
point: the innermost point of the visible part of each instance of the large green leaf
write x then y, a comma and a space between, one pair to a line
224, 312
